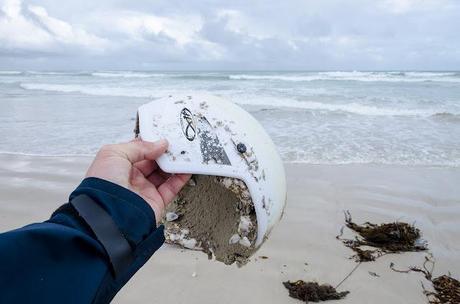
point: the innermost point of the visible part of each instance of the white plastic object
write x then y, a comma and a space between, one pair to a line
212, 136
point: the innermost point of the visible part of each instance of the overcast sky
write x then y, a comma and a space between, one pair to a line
203, 35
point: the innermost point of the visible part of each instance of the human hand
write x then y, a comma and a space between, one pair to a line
133, 165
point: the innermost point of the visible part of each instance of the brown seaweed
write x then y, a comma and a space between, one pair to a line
312, 291
446, 288
384, 238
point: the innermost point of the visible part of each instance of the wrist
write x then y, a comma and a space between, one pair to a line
132, 214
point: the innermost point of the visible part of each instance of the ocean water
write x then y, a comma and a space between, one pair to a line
396, 117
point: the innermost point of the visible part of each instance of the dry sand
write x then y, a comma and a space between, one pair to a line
32, 187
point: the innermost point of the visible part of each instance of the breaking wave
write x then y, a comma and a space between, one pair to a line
355, 76
359, 76
92, 90
354, 108
7, 73
125, 74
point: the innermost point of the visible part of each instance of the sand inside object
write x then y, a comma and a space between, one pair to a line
215, 215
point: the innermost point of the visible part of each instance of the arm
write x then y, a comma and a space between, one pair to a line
72, 257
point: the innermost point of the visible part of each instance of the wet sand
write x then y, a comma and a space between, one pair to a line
302, 246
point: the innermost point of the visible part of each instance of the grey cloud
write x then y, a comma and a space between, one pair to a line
330, 34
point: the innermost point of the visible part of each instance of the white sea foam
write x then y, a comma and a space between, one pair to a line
53, 73
354, 108
274, 77
126, 74
94, 90
355, 76
363, 109
10, 72
396, 76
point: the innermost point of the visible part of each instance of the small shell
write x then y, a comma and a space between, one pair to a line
171, 216
194, 274
191, 182
174, 237
245, 242
234, 239
245, 224
190, 243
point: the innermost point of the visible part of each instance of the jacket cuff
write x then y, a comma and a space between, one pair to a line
130, 212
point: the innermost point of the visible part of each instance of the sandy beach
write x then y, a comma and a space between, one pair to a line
302, 246
359, 99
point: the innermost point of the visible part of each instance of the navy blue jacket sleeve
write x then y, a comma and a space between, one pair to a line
62, 261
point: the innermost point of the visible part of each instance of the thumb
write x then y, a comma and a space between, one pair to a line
139, 150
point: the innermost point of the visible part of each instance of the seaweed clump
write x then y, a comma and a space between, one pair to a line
385, 238
446, 288
312, 291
